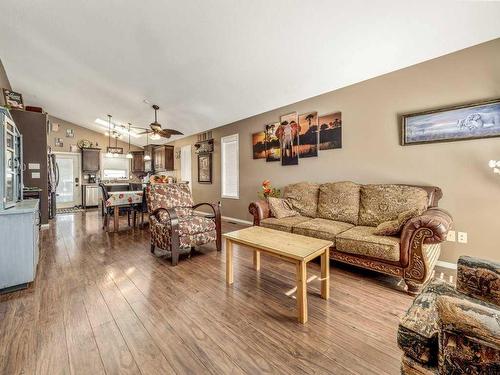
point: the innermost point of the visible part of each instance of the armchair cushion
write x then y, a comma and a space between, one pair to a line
379, 203
177, 196
360, 240
321, 228
339, 201
303, 198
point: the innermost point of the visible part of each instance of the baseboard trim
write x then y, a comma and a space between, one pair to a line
227, 218
452, 266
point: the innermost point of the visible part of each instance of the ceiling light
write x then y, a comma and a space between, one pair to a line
155, 136
117, 127
147, 157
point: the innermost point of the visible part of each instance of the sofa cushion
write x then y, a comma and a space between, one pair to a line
280, 208
360, 240
303, 197
321, 228
339, 201
285, 224
394, 227
379, 203
419, 327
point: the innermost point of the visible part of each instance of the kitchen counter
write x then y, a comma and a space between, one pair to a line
26, 206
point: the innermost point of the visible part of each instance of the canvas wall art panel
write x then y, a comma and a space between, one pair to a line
259, 145
273, 150
330, 131
308, 135
470, 121
287, 133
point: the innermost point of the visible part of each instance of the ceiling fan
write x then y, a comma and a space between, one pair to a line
157, 129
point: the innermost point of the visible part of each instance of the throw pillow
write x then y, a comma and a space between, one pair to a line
280, 208
394, 227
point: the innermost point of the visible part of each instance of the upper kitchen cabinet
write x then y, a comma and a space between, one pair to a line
91, 161
137, 161
163, 157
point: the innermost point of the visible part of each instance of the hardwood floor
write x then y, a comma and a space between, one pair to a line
102, 304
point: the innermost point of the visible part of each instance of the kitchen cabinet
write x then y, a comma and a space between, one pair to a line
163, 157
91, 160
137, 162
90, 196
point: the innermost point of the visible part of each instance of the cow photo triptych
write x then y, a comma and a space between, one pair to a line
298, 136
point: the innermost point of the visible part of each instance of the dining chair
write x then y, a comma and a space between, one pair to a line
110, 211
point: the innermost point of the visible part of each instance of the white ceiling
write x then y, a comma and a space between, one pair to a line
209, 63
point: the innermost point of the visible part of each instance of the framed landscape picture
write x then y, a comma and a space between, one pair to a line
330, 131
469, 121
205, 168
259, 145
308, 135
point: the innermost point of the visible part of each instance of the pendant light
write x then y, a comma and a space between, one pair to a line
115, 134
109, 154
147, 157
129, 154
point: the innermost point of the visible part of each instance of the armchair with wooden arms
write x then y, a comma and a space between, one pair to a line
174, 228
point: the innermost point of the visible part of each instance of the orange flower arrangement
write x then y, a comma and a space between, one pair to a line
268, 190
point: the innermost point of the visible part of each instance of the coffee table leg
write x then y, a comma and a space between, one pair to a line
302, 291
229, 262
256, 260
325, 274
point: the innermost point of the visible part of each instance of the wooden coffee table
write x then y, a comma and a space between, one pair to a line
289, 247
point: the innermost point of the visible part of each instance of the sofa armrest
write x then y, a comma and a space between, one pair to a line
469, 338
430, 227
479, 278
259, 210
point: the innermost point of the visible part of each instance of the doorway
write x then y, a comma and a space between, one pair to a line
68, 191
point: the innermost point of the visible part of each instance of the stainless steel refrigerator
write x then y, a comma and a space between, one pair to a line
11, 161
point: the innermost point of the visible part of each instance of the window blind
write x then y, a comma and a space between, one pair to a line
230, 167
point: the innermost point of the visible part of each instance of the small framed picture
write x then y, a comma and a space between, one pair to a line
54, 127
58, 142
13, 99
205, 168
70, 133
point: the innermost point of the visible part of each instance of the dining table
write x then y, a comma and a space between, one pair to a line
119, 199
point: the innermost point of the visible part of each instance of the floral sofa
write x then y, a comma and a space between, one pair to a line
455, 330
348, 214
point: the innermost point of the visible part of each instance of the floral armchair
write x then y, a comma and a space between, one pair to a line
174, 227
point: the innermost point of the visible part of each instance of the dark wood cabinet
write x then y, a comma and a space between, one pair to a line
163, 158
137, 161
91, 160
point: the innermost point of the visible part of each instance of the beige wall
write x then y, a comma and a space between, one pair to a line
4, 83
81, 133
371, 152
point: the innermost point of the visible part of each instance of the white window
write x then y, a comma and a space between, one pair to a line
230, 167
186, 164
116, 168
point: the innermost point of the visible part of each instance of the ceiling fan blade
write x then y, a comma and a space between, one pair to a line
145, 132
173, 132
164, 133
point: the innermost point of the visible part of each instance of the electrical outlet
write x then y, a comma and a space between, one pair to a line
451, 236
462, 237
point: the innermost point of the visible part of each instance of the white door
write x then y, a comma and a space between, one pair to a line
68, 191
186, 164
